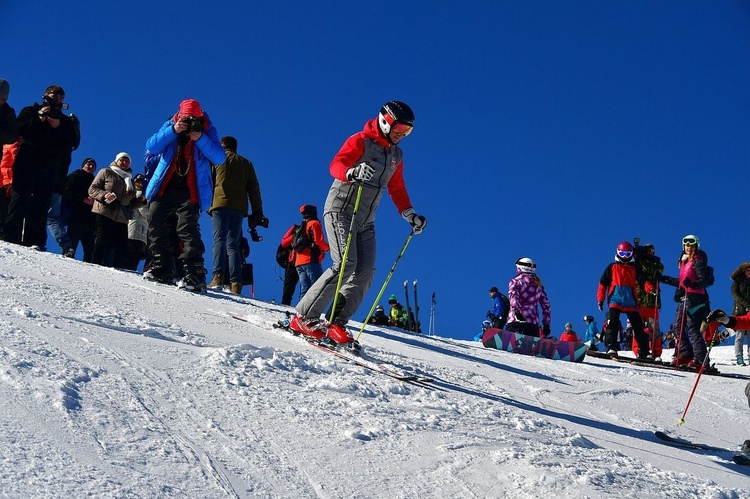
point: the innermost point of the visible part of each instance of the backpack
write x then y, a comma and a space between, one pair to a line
282, 256
301, 239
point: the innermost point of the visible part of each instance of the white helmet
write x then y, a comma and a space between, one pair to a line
526, 265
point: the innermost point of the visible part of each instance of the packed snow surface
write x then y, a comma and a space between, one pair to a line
111, 386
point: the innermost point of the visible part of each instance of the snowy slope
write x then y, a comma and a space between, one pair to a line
115, 387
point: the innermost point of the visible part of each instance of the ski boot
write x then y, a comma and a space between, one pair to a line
159, 270
340, 337
740, 361
311, 328
195, 276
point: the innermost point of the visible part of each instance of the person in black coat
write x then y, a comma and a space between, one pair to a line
46, 139
76, 200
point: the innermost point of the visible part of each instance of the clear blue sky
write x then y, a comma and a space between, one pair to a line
545, 129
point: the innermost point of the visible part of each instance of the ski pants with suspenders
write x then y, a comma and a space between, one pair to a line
358, 272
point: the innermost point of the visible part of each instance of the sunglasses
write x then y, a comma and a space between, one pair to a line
690, 241
401, 129
624, 254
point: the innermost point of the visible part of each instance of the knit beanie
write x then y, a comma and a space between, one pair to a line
392, 299
122, 155
190, 107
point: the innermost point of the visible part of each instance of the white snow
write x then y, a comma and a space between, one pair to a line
111, 386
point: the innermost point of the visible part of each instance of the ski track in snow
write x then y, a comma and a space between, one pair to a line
117, 387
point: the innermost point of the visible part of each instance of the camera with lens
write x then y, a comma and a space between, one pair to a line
55, 109
195, 124
254, 221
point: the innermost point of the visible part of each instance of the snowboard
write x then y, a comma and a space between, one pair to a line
534, 346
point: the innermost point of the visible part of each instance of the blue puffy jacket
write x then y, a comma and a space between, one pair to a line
207, 150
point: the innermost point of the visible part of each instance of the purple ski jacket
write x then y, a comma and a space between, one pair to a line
525, 294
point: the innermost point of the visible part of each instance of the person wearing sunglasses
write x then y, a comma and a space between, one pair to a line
692, 303
618, 287
368, 163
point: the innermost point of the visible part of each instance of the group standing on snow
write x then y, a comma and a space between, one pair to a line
631, 286
189, 169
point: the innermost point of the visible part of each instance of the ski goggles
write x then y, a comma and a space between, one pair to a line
624, 254
401, 129
689, 241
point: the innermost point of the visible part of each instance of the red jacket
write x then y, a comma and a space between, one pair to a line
315, 230
6, 165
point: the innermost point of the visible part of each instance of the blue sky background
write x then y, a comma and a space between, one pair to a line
545, 129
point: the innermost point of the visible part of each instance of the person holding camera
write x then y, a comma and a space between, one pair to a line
114, 195
235, 182
368, 163
46, 139
186, 145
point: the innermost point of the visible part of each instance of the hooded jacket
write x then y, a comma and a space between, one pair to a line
206, 150
385, 158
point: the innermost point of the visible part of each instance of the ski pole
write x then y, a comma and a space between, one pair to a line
385, 284
346, 252
700, 373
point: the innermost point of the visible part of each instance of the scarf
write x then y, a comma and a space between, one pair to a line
126, 176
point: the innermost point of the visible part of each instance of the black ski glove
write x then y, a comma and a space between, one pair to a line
546, 330
719, 315
600, 306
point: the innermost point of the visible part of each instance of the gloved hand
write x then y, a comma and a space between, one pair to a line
257, 219
417, 222
600, 305
360, 173
662, 278
719, 315
687, 283
546, 330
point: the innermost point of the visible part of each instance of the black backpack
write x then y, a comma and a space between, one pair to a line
301, 240
282, 256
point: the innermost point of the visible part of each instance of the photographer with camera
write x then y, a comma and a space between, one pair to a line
181, 184
46, 139
235, 182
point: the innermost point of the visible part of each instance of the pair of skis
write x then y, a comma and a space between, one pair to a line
412, 326
665, 365
739, 458
380, 367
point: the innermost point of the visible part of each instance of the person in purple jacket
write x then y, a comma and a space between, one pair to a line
526, 294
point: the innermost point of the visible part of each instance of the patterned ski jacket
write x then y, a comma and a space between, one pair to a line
368, 145
526, 293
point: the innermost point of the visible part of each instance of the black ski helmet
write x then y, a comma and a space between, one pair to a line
394, 112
